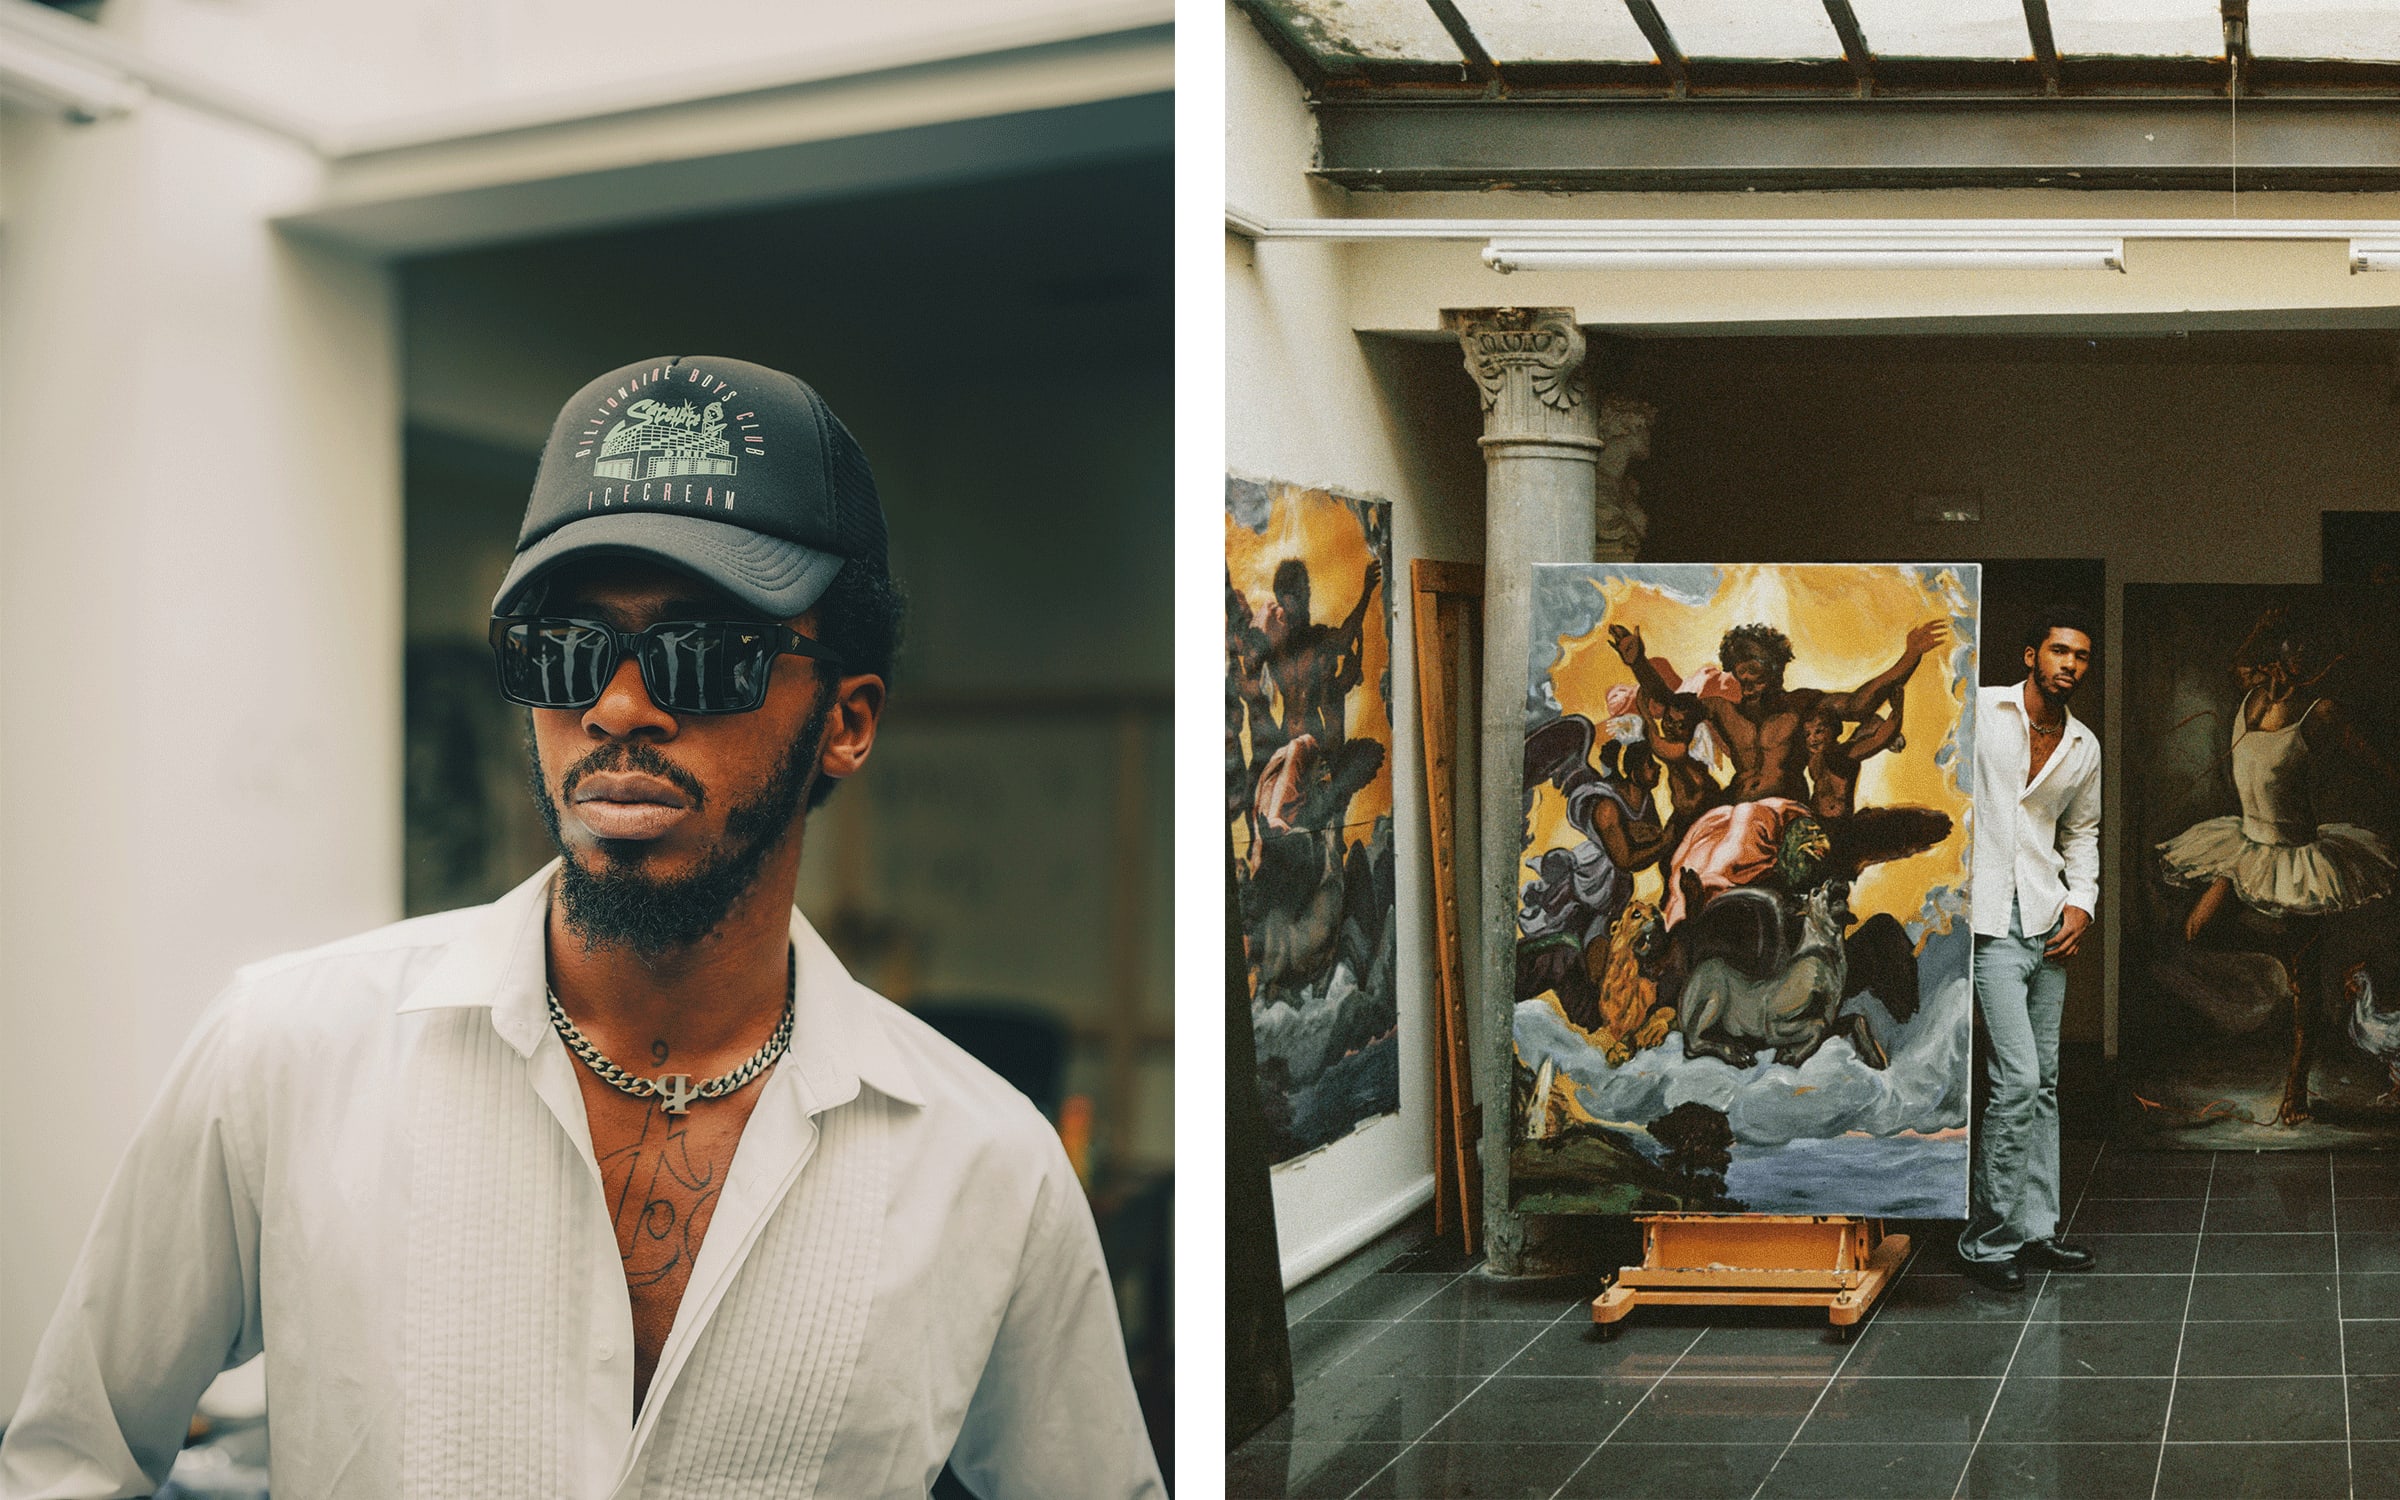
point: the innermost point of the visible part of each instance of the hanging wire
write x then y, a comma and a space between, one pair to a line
2236, 42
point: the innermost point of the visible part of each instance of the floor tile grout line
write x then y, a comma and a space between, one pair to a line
1959, 1488
2341, 1332
1384, 1268
2159, 1470
1881, 1442
1393, 1322
1413, 1443
1839, 1365
1627, 1414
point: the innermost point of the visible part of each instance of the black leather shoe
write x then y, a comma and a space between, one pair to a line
2054, 1254
1999, 1275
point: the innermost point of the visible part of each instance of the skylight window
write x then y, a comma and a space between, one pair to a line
1751, 28
2356, 30
2137, 28
1964, 49
1944, 28
1558, 30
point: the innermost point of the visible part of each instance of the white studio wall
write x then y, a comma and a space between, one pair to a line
1306, 403
204, 528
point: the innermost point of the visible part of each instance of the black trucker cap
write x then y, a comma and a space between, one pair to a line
730, 470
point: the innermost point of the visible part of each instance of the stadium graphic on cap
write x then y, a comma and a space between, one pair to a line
726, 469
659, 441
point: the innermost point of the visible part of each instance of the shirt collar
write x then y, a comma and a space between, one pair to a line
840, 1037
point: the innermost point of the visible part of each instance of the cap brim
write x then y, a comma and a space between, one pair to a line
765, 572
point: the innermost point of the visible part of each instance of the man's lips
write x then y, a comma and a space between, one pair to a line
628, 805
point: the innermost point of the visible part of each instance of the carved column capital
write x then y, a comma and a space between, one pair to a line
1528, 362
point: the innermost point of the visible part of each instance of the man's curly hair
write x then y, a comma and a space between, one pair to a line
1762, 642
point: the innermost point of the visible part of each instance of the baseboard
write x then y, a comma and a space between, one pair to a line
1309, 1260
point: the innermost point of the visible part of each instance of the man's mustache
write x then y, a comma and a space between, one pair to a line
621, 755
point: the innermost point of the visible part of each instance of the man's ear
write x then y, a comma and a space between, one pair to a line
850, 728
2030, 653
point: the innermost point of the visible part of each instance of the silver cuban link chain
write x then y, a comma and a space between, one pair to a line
676, 1091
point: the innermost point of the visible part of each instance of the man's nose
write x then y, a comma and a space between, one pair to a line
625, 710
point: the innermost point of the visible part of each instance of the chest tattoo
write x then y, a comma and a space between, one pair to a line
660, 1193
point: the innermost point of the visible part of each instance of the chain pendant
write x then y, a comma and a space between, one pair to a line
676, 1092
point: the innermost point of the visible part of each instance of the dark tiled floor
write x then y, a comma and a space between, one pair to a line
2240, 1338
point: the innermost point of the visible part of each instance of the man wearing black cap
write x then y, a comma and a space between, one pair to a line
620, 1186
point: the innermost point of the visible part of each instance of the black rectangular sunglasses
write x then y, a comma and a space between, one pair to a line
688, 666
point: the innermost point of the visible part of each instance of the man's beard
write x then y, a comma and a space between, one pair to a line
649, 915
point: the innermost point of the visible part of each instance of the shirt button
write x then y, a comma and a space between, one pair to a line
608, 1351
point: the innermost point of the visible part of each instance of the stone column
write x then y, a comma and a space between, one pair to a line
1541, 454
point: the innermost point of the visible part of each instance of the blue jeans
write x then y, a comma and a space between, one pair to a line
2013, 1192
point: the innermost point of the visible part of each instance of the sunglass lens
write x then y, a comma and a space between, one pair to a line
553, 663
708, 667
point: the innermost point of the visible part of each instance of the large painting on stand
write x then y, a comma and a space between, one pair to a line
1308, 796
1743, 963
2260, 998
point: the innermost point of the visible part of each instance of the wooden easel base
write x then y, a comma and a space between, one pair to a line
1839, 1263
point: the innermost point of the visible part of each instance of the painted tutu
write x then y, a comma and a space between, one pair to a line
2341, 869
2280, 860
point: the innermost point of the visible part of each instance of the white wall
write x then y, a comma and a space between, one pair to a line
199, 584
1306, 402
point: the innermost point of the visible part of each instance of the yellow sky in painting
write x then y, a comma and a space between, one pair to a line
1317, 528
1846, 623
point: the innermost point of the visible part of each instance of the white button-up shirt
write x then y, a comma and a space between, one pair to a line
371, 1160
2038, 844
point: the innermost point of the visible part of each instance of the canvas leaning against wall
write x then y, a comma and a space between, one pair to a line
1308, 794
1743, 962
2259, 1004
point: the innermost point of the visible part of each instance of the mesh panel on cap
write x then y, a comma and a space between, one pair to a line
857, 515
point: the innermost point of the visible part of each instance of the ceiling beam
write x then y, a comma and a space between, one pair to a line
1480, 66
1854, 45
2235, 15
2045, 46
1662, 41
1730, 145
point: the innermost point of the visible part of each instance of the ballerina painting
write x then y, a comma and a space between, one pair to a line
2291, 886
2274, 857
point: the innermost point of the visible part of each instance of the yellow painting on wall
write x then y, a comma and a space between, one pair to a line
1308, 803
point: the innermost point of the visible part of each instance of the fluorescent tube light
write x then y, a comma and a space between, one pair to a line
2374, 255
1766, 247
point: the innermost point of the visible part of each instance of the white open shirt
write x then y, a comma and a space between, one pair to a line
372, 1161
2036, 843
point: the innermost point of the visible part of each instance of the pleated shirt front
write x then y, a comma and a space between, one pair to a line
372, 1162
